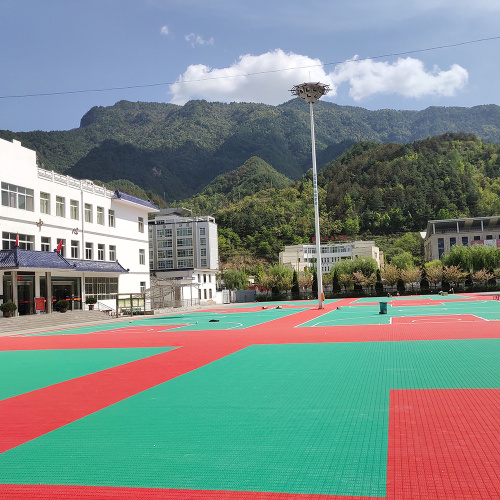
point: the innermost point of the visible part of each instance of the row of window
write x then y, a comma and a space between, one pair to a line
205, 293
27, 242
182, 231
465, 241
181, 242
23, 198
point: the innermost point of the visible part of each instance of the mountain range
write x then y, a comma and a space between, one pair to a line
177, 151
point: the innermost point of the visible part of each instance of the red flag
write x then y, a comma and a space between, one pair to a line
17, 239
59, 246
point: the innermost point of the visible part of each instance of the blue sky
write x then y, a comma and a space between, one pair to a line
234, 50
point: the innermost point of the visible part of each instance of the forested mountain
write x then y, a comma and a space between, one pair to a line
253, 176
175, 151
371, 189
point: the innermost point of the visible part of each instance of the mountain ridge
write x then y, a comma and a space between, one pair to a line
176, 151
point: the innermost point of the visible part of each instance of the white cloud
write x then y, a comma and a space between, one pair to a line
164, 30
241, 82
198, 40
406, 77
268, 77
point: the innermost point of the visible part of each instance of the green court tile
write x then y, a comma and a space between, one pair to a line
299, 418
370, 314
82, 329
25, 371
384, 298
218, 320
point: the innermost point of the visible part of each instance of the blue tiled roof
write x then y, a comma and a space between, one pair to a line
133, 199
97, 266
17, 258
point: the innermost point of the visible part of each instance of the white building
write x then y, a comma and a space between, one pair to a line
442, 235
184, 256
298, 257
101, 235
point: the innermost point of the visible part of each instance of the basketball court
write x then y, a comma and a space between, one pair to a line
268, 401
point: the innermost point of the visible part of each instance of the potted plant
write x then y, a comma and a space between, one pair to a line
91, 300
62, 305
8, 309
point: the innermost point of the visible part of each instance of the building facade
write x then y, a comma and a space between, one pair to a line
298, 257
65, 238
184, 257
442, 235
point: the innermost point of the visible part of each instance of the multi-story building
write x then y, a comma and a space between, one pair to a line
75, 239
183, 251
441, 235
298, 257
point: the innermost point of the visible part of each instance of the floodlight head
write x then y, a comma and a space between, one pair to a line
311, 91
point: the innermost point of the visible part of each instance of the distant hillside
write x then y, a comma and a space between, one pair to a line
371, 189
176, 151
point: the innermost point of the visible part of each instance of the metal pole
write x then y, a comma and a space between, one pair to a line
319, 272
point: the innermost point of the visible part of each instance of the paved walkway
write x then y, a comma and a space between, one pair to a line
53, 321
43, 322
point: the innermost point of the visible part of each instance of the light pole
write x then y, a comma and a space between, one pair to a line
311, 92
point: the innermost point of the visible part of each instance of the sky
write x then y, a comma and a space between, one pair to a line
60, 58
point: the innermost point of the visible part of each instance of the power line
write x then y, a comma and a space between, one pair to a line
147, 85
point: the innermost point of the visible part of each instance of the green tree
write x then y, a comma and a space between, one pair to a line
234, 279
280, 278
403, 260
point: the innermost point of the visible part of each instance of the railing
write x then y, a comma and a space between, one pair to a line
101, 306
82, 184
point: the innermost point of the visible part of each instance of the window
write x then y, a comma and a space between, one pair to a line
26, 241
199, 293
165, 244
142, 257
112, 253
203, 252
100, 215
185, 242
164, 233
89, 250
111, 218
141, 224
453, 241
184, 263
440, 247
60, 206
210, 293
489, 236
74, 208
465, 240
185, 231
88, 212
164, 254
17, 197
102, 288
203, 241
477, 238
75, 247
202, 231
166, 264
185, 252
204, 278
45, 246
142, 286
100, 251
203, 262
205, 294
45, 203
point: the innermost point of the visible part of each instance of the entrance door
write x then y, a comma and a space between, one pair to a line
62, 290
25, 297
